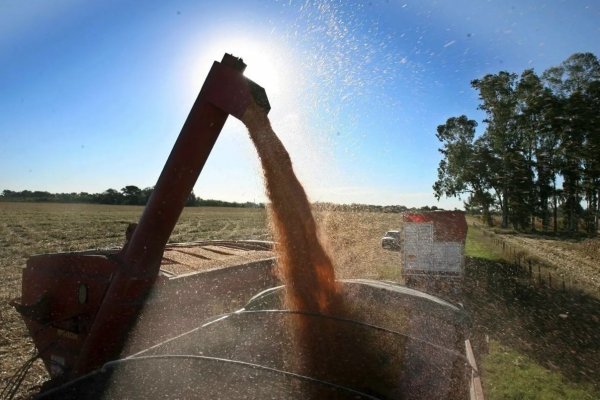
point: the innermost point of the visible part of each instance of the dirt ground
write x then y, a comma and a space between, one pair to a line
352, 238
33, 228
578, 258
575, 258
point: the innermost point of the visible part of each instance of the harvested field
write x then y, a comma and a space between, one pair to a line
353, 239
577, 258
33, 228
27, 229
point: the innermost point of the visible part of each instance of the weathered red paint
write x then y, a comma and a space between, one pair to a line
59, 327
449, 226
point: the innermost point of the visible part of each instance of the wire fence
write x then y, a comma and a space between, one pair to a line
539, 272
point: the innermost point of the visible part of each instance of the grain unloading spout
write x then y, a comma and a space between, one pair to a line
76, 335
225, 91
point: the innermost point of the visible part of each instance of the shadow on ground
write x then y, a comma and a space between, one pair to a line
559, 328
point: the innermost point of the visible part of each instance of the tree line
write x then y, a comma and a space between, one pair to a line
359, 207
129, 195
132, 195
539, 154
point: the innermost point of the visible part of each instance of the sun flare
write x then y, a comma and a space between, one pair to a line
267, 65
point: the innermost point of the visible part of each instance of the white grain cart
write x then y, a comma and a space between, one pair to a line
432, 248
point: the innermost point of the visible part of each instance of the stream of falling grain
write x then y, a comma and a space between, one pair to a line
324, 349
304, 265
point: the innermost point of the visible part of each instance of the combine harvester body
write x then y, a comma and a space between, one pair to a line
148, 300
80, 307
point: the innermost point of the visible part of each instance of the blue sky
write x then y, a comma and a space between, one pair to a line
93, 94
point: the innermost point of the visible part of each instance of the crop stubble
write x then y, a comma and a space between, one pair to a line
352, 239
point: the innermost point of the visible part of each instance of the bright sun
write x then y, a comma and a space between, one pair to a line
266, 65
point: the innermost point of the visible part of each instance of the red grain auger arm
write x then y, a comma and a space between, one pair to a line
80, 307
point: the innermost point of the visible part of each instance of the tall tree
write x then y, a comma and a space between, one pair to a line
110, 196
536, 124
582, 78
462, 170
540, 149
591, 155
498, 100
132, 194
575, 81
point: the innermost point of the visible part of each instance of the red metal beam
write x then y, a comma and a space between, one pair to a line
225, 91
